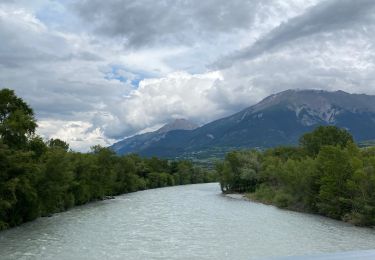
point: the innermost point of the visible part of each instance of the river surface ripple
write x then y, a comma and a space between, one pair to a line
182, 222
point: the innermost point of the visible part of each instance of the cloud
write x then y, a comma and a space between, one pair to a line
61, 75
157, 100
325, 17
318, 62
96, 71
79, 134
146, 22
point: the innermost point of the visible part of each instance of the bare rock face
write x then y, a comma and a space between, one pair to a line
178, 124
322, 105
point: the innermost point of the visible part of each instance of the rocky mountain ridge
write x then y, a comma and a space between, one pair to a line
279, 119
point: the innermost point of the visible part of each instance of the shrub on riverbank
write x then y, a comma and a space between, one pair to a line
327, 174
40, 178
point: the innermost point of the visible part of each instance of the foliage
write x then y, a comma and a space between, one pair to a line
16, 119
39, 178
327, 174
239, 171
322, 136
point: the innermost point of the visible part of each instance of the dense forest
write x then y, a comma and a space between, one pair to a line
326, 174
38, 178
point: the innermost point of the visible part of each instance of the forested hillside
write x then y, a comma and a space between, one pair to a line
327, 174
38, 178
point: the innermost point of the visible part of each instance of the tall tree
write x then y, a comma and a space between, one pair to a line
17, 120
54, 143
325, 135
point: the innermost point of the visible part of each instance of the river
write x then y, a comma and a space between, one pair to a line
182, 222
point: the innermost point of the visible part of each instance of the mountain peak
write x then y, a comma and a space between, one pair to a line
178, 124
317, 100
279, 119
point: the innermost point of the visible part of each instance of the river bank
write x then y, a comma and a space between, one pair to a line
251, 198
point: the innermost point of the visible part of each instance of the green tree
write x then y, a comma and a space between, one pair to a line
361, 186
240, 171
335, 170
19, 179
104, 172
184, 172
298, 180
37, 146
17, 122
325, 135
126, 178
82, 184
55, 185
225, 176
54, 143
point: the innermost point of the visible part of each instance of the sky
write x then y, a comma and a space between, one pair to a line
97, 71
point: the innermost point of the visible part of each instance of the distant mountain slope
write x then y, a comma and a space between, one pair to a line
138, 143
279, 119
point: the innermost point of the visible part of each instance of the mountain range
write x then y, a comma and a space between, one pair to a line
279, 119
138, 143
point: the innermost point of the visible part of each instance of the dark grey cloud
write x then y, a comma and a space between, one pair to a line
326, 16
147, 22
59, 74
25, 42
